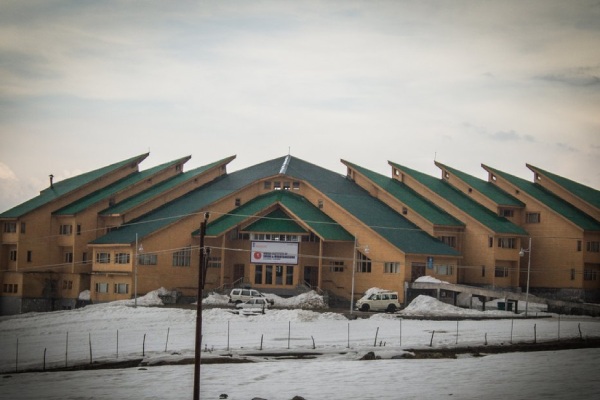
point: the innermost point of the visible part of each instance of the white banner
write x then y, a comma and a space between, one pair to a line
274, 253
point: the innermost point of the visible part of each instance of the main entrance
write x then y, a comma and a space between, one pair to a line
311, 276
417, 271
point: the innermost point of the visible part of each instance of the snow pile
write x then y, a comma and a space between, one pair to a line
148, 300
372, 290
308, 301
216, 299
85, 295
428, 279
428, 306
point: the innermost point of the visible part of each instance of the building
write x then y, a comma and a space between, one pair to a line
286, 224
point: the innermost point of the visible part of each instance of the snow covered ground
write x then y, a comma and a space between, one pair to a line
117, 331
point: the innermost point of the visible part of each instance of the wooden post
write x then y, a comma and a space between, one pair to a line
67, 350
376, 333
144, 346
167, 341
90, 342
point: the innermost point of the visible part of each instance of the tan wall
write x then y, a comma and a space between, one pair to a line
554, 244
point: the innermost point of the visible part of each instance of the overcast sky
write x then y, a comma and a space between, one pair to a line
501, 83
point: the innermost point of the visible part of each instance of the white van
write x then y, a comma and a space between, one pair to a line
241, 295
380, 301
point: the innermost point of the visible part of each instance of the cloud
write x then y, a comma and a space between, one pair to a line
566, 147
507, 136
6, 173
578, 77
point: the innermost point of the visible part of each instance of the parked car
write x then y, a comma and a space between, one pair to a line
260, 303
380, 301
240, 295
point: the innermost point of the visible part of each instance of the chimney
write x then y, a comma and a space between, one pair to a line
51, 181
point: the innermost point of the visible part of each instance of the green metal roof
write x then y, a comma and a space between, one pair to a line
66, 186
478, 212
552, 201
301, 208
190, 203
162, 187
486, 188
275, 222
381, 218
585, 193
114, 188
372, 212
408, 196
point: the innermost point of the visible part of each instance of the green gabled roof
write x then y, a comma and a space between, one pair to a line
318, 222
460, 200
159, 188
585, 193
190, 203
66, 186
552, 201
114, 188
372, 212
408, 196
275, 222
390, 225
486, 188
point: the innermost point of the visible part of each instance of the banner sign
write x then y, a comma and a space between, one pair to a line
274, 253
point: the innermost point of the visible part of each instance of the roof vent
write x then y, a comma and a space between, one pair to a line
51, 181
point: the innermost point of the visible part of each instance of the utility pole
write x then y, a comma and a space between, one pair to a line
201, 279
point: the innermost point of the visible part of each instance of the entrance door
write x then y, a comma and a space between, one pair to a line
311, 276
417, 271
238, 274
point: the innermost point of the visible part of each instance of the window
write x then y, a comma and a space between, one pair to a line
506, 243
507, 212
121, 288
449, 240
491, 242
78, 229
10, 227
444, 269
12, 255
320, 203
311, 237
593, 247
579, 245
147, 259
23, 227
572, 274
590, 274
67, 285
336, 266
277, 185
289, 275
101, 287
10, 288
363, 263
404, 211
269, 275
68, 257
532, 218
279, 275
286, 186
267, 185
238, 202
391, 268
214, 262
182, 258
29, 255
122, 258
103, 258
483, 271
258, 269
296, 185
66, 229
501, 272
275, 237
84, 258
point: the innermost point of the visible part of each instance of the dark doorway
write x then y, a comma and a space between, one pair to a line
311, 276
417, 271
238, 274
